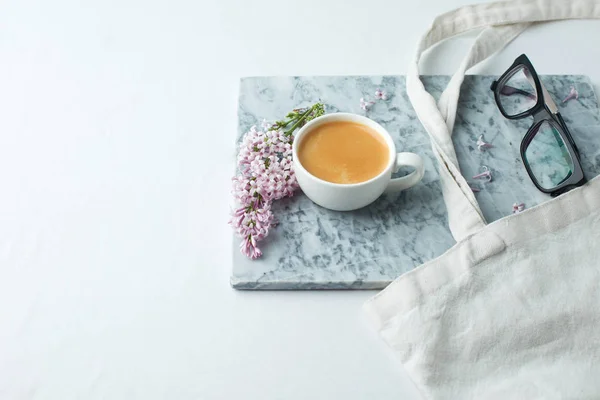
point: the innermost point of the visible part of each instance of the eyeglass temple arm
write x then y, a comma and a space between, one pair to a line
549, 101
547, 98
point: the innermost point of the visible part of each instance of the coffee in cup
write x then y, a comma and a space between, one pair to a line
345, 161
343, 152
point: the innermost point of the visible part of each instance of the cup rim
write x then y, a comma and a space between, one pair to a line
342, 116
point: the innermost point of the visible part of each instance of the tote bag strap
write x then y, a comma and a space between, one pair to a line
502, 22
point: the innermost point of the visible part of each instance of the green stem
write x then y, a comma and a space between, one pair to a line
299, 120
289, 121
286, 124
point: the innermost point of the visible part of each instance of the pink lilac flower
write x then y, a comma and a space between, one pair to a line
266, 175
276, 181
249, 249
244, 189
252, 145
380, 94
364, 104
277, 141
265, 125
252, 223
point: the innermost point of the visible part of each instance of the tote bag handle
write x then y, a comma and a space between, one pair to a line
501, 23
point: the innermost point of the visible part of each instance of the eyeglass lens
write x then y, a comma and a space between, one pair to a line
518, 94
547, 156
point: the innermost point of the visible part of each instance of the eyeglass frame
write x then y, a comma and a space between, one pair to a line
544, 110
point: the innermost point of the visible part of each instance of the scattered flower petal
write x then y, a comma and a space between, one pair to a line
486, 174
573, 94
364, 104
381, 94
474, 189
518, 207
482, 145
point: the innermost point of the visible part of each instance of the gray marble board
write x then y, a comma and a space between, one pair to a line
313, 248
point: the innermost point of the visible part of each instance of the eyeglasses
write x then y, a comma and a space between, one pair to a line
548, 151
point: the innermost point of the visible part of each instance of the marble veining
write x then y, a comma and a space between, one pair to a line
314, 248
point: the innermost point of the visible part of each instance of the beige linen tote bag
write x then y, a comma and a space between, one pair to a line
512, 311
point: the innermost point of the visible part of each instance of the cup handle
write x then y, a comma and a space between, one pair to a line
405, 182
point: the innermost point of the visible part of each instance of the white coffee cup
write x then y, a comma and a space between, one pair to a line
346, 197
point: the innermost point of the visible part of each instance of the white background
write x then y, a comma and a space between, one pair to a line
117, 121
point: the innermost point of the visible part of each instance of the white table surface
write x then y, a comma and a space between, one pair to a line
117, 121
